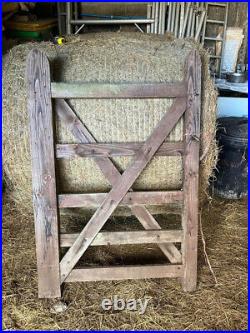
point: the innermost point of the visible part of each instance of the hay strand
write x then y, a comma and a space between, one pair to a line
204, 250
222, 308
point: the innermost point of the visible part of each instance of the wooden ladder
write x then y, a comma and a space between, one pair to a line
208, 20
52, 271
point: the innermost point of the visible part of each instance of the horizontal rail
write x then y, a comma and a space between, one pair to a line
131, 198
113, 149
113, 21
121, 90
218, 4
215, 21
125, 273
127, 237
214, 39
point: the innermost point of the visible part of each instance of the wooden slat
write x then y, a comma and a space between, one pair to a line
127, 237
125, 273
122, 186
131, 198
149, 222
191, 172
43, 174
81, 133
79, 130
114, 149
131, 90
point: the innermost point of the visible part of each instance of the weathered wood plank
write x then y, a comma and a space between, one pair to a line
149, 222
79, 130
131, 198
125, 273
43, 174
114, 149
81, 133
131, 90
121, 187
127, 237
191, 172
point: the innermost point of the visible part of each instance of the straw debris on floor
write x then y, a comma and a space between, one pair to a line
221, 307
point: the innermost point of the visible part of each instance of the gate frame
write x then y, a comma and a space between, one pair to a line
46, 201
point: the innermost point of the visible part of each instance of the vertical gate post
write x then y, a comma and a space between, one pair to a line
43, 174
191, 171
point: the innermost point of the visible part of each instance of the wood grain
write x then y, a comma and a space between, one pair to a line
43, 174
46, 201
114, 149
119, 90
125, 273
149, 222
109, 170
121, 187
191, 172
127, 237
92, 200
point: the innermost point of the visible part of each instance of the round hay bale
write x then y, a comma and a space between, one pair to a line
105, 57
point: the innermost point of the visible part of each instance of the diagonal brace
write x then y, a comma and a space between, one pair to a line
121, 187
110, 171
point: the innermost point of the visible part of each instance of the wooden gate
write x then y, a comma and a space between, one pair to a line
51, 271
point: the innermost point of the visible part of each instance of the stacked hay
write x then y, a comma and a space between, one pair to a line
109, 57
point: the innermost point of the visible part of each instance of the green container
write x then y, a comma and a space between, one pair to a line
30, 35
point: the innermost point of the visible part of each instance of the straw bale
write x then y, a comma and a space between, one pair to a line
109, 57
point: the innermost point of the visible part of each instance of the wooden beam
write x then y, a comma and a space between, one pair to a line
43, 174
122, 186
191, 172
130, 199
149, 222
125, 273
114, 149
127, 237
110, 171
119, 90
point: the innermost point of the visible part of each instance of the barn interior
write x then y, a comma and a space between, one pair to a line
116, 43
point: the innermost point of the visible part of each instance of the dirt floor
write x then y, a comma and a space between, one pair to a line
211, 307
